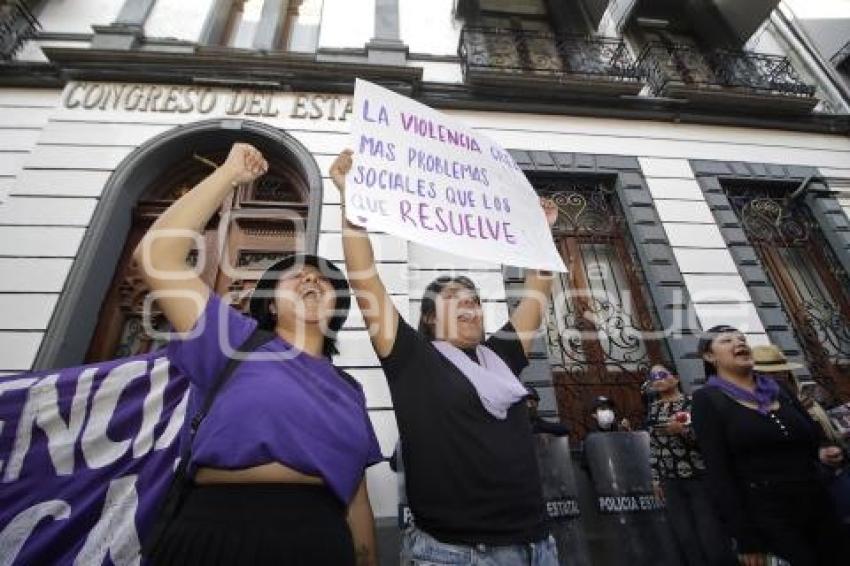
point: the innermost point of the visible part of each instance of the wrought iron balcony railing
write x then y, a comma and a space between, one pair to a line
541, 53
686, 65
17, 25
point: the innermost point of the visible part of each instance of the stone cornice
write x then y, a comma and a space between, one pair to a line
221, 65
301, 72
439, 95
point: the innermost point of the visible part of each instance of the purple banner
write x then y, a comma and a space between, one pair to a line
86, 455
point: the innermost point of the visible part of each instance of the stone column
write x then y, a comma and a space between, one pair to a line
127, 29
386, 48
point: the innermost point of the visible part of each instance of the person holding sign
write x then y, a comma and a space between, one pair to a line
472, 478
278, 463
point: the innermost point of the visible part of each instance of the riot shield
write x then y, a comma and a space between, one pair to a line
560, 496
628, 520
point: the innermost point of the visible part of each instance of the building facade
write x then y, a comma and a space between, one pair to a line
698, 152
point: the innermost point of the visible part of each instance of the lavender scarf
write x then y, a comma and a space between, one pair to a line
496, 385
765, 394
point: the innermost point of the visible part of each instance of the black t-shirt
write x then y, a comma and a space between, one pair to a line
470, 477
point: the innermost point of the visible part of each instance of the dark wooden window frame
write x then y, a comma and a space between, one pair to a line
814, 193
666, 290
582, 369
776, 227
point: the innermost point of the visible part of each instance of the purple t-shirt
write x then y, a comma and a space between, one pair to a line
291, 407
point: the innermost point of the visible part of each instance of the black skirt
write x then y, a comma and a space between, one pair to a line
796, 521
278, 524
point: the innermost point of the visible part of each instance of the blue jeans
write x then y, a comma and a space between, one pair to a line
418, 548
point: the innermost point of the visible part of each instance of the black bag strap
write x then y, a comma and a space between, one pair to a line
257, 338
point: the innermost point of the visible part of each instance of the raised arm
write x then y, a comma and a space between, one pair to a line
161, 254
528, 314
378, 310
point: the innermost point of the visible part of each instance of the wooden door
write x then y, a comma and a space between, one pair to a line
256, 225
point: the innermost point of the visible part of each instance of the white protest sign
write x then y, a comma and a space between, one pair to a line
428, 178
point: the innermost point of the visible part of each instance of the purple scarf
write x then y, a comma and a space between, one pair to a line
765, 394
496, 385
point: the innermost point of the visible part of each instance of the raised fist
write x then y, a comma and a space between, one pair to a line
245, 163
340, 168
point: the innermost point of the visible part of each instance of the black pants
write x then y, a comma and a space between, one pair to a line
797, 522
279, 524
700, 536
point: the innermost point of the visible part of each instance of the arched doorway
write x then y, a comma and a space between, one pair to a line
98, 316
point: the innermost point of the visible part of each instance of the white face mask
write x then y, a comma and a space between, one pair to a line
605, 417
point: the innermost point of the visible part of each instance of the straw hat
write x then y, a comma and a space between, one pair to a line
771, 359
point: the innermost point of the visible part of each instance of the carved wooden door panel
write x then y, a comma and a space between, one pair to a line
255, 226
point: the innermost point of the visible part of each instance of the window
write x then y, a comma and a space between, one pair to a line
679, 62
808, 278
17, 26
301, 30
517, 35
242, 23
540, 39
282, 25
599, 328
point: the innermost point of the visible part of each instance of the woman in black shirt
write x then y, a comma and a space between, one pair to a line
471, 474
761, 451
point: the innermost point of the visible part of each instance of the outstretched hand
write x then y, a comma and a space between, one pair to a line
245, 163
340, 168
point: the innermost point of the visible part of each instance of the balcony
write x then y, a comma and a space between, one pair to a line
745, 80
561, 64
17, 26
740, 18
